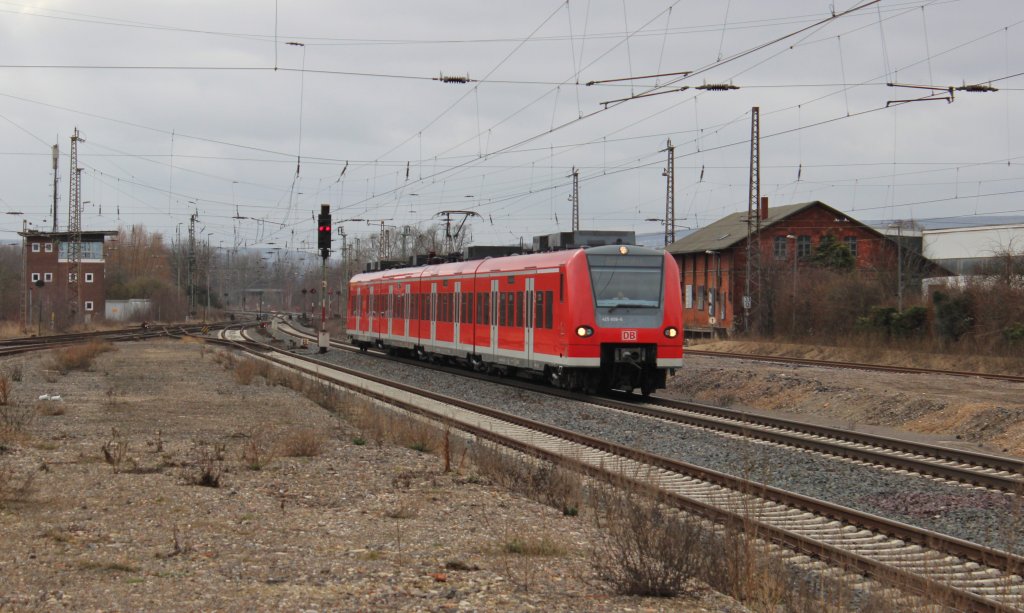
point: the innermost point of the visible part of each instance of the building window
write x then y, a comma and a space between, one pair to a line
88, 277
48, 248
35, 247
803, 246
688, 295
48, 277
88, 305
851, 244
35, 277
72, 277
700, 297
780, 248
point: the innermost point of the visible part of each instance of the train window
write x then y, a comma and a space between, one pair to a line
502, 297
449, 308
539, 323
486, 311
469, 308
519, 309
549, 309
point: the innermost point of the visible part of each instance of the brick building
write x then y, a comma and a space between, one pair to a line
48, 275
713, 260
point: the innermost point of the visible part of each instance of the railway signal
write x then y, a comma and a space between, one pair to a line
324, 243
323, 230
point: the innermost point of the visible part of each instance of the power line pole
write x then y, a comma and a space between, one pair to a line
75, 230
753, 216
670, 196
192, 263
575, 199
56, 182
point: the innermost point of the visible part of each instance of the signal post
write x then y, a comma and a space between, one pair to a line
323, 239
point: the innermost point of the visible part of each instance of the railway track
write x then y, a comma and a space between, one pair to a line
15, 346
993, 472
856, 365
954, 572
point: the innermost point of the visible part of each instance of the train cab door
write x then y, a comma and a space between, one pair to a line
433, 314
528, 321
494, 317
456, 315
357, 309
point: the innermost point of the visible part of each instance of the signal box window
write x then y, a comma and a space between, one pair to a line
803, 246
35, 277
35, 247
48, 277
780, 248
851, 244
88, 305
48, 248
88, 277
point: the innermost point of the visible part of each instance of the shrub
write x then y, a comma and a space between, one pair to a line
953, 315
648, 551
911, 322
206, 465
258, 450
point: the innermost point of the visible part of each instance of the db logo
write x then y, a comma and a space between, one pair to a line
629, 335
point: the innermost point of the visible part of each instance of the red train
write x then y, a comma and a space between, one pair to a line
589, 319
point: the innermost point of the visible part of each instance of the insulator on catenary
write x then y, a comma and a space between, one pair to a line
980, 87
453, 78
717, 87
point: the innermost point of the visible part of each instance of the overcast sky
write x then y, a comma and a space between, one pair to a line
204, 107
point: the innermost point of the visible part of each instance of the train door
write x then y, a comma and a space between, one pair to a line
494, 317
390, 311
456, 312
433, 314
370, 313
528, 321
407, 309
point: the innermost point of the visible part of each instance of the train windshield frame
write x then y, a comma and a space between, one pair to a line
634, 281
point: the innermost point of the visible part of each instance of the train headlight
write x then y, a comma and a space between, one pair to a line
671, 332
624, 250
584, 331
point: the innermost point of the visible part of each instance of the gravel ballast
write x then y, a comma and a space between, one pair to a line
964, 512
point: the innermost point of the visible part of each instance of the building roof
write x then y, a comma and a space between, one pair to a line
732, 229
65, 234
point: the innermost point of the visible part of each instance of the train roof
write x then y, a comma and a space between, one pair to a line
548, 259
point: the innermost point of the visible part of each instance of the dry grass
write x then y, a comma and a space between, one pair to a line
11, 329
871, 351
14, 487
301, 443
5, 389
79, 357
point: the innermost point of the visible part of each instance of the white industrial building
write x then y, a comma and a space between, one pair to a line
970, 251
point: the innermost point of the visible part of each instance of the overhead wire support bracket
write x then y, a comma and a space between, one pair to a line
682, 73
648, 95
938, 92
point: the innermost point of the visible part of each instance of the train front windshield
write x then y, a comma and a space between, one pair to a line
626, 280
